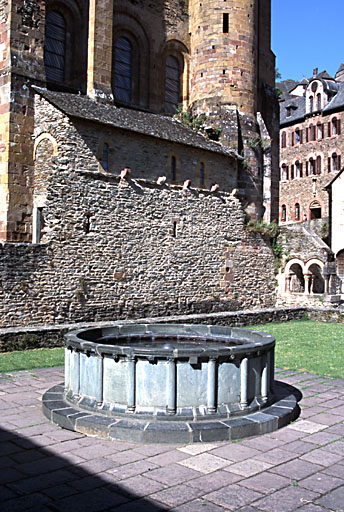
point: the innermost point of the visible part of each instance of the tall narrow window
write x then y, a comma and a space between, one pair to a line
105, 157
123, 70
173, 168
201, 174
172, 84
55, 46
318, 164
319, 131
297, 211
284, 140
284, 213
334, 126
311, 167
318, 101
334, 162
284, 173
297, 136
225, 23
311, 104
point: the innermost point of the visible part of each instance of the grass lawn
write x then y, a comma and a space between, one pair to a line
315, 347
304, 345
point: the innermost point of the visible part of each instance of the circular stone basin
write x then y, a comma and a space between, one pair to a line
135, 376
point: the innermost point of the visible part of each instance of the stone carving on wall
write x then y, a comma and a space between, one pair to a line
30, 13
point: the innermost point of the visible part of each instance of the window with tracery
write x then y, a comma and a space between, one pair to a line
122, 80
172, 84
55, 46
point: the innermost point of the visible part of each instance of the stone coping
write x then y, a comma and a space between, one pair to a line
279, 414
131, 340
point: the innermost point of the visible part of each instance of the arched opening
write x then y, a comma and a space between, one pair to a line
122, 77
334, 126
311, 167
172, 84
284, 140
297, 280
315, 210
284, 172
316, 282
340, 263
318, 165
311, 104
55, 46
297, 211
283, 213
319, 101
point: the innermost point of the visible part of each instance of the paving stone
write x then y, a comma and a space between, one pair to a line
336, 470
60, 491
321, 456
262, 443
325, 419
333, 403
142, 505
276, 456
96, 500
321, 438
339, 411
337, 447
126, 457
286, 500
172, 474
312, 508
249, 467
175, 496
333, 500
148, 449
198, 505
196, 449
299, 447
337, 429
233, 497
320, 482
308, 427
24, 503
140, 486
135, 468
286, 435
296, 469
92, 451
235, 452
213, 481
97, 465
163, 459
265, 482
205, 463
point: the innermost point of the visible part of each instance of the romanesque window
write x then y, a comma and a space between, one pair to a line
201, 174
335, 126
55, 46
297, 211
172, 84
123, 70
297, 136
297, 170
320, 131
311, 167
284, 173
312, 132
105, 156
311, 104
284, 140
173, 168
284, 213
318, 101
340, 263
315, 210
318, 165
288, 109
292, 172
336, 163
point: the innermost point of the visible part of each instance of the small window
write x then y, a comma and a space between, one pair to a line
292, 172
105, 156
201, 174
55, 46
297, 136
318, 164
297, 211
311, 104
334, 162
123, 70
297, 170
319, 131
311, 167
225, 23
312, 132
284, 140
315, 210
318, 101
288, 109
173, 168
284, 173
284, 213
38, 225
334, 126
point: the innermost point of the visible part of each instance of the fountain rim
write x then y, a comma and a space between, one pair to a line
248, 341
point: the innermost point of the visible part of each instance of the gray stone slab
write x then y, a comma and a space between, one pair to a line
333, 500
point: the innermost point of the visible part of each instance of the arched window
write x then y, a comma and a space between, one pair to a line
172, 84
292, 175
284, 172
284, 213
311, 167
284, 140
55, 46
334, 126
315, 210
297, 211
122, 80
312, 132
318, 101
311, 104
201, 174
340, 263
335, 162
319, 131
297, 169
297, 136
105, 156
173, 168
318, 165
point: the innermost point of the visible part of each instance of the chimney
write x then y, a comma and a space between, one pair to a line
315, 72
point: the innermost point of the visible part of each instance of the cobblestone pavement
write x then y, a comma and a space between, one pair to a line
44, 468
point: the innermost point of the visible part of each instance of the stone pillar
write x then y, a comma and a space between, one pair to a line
307, 282
211, 388
288, 282
244, 383
327, 283
131, 384
99, 63
171, 386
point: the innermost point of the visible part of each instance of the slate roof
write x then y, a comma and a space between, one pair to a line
285, 86
153, 125
297, 111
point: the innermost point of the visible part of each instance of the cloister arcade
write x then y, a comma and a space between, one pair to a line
307, 278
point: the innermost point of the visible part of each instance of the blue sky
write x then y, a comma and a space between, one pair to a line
307, 34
